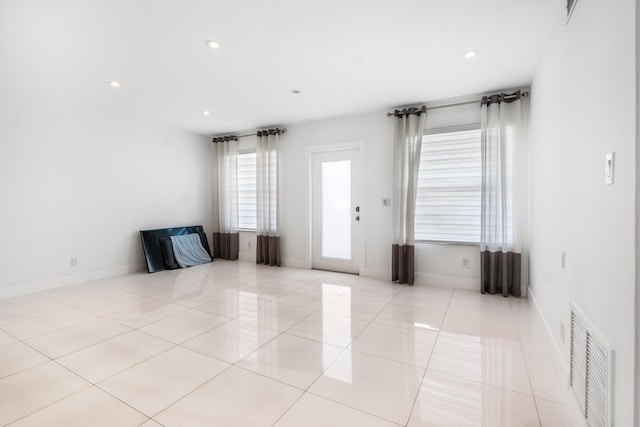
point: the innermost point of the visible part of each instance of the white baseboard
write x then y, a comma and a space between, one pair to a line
247, 256
376, 273
428, 279
559, 361
57, 282
295, 262
421, 279
555, 351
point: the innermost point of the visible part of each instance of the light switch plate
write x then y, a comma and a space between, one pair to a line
609, 164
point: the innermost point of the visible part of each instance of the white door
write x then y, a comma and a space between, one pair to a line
336, 212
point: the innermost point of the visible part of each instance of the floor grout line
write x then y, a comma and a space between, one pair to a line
249, 279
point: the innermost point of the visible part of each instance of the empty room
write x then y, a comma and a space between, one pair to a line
335, 213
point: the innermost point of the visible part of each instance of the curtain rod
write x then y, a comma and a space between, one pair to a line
256, 133
217, 139
457, 104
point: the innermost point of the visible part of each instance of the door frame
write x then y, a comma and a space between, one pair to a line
360, 239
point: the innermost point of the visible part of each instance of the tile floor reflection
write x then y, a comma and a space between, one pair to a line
235, 344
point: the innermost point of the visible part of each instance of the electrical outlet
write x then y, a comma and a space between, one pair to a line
563, 259
386, 202
249, 245
562, 331
74, 262
466, 263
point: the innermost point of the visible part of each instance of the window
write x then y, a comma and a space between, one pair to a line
448, 201
247, 190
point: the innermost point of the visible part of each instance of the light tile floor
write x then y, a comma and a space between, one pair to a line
235, 344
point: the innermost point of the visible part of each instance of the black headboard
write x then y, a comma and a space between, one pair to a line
153, 249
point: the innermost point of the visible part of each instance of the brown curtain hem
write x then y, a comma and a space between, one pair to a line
268, 250
500, 272
403, 264
226, 246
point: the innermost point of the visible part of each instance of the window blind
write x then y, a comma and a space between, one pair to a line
448, 200
247, 191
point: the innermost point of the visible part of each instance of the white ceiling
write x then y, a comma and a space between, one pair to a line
346, 56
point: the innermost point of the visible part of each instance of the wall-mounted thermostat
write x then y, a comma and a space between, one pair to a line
608, 168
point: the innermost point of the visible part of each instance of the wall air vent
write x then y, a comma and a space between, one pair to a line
591, 372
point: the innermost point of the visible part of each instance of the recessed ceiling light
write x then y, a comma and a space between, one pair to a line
296, 91
212, 44
470, 54
205, 113
114, 83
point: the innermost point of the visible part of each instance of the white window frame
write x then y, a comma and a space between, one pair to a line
441, 131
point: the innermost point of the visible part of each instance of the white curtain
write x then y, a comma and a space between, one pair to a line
267, 221
409, 130
225, 236
504, 194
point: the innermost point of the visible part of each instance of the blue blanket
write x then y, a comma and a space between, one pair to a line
189, 251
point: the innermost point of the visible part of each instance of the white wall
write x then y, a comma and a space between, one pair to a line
435, 264
78, 183
583, 106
